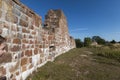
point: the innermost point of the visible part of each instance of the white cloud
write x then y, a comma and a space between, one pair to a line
117, 32
79, 29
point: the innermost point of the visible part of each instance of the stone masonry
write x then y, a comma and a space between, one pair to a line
29, 43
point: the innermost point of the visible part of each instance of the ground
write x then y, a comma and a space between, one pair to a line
79, 64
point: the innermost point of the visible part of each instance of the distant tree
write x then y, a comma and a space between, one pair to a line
98, 39
118, 41
87, 41
79, 43
113, 41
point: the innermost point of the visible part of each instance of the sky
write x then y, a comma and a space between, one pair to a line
86, 18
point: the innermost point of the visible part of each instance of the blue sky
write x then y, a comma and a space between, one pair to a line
86, 18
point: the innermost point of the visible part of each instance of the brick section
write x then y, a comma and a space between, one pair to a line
5, 58
15, 48
17, 73
24, 61
28, 52
17, 41
23, 23
35, 51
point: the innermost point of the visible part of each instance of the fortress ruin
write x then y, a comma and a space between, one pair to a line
29, 43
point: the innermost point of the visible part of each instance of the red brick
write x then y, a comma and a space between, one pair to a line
30, 60
23, 23
24, 61
40, 46
30, 36
35, 51
15, 48
50, 38
17, 41
22, 55
31, 42
17, 73
24, 41
33, 32
32, 46
28, 52
24, 30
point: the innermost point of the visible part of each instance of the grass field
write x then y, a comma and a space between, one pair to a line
82, 64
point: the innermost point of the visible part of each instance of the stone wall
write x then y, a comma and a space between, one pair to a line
29, 44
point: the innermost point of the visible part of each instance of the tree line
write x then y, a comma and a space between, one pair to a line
95, 39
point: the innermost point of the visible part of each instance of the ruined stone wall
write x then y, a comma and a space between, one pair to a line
56, 23
29, 44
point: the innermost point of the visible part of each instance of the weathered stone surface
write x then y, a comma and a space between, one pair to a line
17, 73
30, 44
31, 27
24, 41
24, 30
6, 25
34, 33
5, 58
15, 48
35, 51
29, 13
15, 19
24, 61
17, 41
14, 68
24, 68
30, 60
28, 52
23, 17
23, 23
16, 12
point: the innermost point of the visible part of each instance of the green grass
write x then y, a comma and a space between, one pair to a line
80, 64
108, 53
